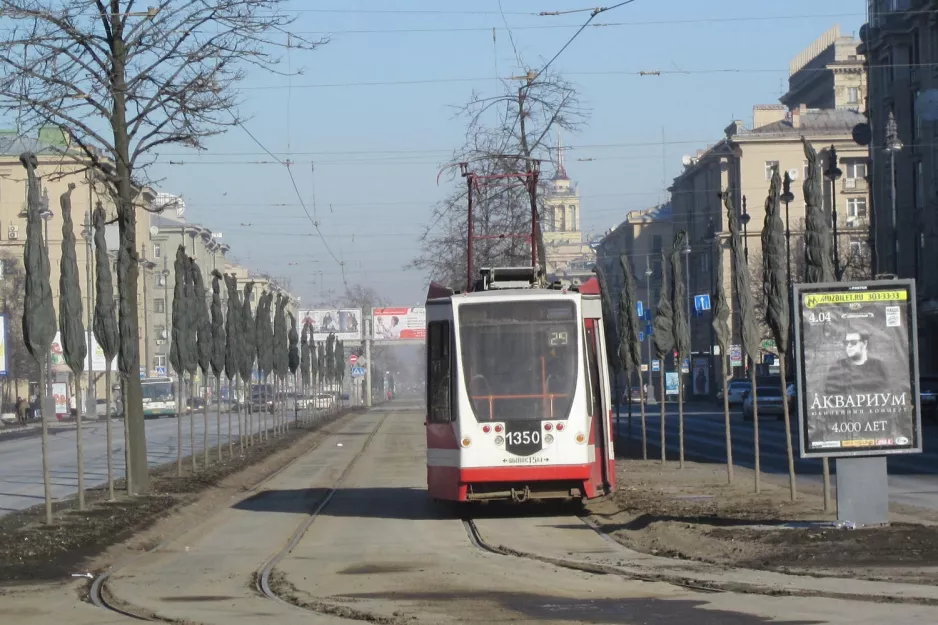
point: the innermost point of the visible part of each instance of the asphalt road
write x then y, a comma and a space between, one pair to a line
21, 458
913, 478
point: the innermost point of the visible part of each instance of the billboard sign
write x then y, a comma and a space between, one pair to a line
345, 323
394, 324
857, 368
94, 360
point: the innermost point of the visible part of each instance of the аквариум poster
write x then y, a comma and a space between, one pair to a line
857, 368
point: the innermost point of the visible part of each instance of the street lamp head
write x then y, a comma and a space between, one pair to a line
165, 273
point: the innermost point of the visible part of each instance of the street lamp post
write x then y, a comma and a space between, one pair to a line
788, 197
893, 146
650, 395
744, 220
46, 214
88, 235
686, 251
833, 174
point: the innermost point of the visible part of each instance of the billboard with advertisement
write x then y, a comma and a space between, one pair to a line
857, 368
392, 324
93, 361
345, 323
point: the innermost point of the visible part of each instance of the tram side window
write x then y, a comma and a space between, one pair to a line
594, 394
439, 387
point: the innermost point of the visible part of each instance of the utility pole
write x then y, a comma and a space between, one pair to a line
91, 405
366, 326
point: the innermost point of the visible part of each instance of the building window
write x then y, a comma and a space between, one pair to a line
853, 95
770, 167
856, 169
160, 333
656, 244
159, 360
157, 252
856, 207
159, 305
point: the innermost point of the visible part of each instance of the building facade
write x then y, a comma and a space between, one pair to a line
900, 43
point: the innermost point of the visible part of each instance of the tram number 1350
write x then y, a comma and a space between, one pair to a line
523, 438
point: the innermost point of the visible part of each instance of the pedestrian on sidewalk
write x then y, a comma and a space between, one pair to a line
21, 408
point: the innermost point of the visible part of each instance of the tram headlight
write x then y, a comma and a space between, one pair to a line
499, 440
548, 439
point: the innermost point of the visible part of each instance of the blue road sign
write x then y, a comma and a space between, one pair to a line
702, 302
358, 372
656, 365
641, 309
160, 371
648, 329
641, 336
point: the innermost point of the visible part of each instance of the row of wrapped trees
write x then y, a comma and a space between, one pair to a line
671, 330
39, 319
234, 345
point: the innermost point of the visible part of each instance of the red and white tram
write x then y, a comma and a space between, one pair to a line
518, 400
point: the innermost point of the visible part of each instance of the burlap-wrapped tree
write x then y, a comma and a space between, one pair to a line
280, 356
628, 302
721, 330
107, 336
681, 329
38, 310
293, 362
264, 349
193, 354
181, 344
775, 283
233, 356
339, 367
306, 366
664, 341
330, 363
248, 356
71, 327
218, 351
817, 253
205, 346
747, 315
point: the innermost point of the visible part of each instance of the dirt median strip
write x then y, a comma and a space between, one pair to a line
693, 515
79, 541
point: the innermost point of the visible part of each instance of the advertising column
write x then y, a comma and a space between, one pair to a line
858, 397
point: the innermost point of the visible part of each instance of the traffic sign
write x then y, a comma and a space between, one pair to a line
358, 372
641, 337
702, 302
160, 371
656, 365
352, 359
641, 309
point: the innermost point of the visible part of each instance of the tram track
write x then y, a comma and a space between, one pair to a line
101, 597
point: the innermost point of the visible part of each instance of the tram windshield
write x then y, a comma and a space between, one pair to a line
519, 358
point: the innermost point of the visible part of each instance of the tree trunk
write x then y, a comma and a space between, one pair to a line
680, 412
78, 447
296, 405
128, 464
180, 408
205, 423
249, 417
107, 422
755, 424
791, 455
218, 415
726, 420
230, 401
641, 395
127, 265
195, 466
664, 396
46, 475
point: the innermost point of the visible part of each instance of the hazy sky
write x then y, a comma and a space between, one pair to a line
376, 148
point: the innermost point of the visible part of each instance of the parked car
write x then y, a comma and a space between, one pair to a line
736, 389
770, 402
324, 401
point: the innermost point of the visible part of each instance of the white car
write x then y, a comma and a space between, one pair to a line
324, 400
736, 390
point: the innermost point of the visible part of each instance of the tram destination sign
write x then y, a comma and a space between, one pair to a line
856, 351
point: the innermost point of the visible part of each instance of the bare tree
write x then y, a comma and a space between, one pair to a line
122, 83
507, 136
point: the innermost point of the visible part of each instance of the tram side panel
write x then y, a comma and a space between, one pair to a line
442, 438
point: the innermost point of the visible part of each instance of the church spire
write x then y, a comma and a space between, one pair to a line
561, 173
